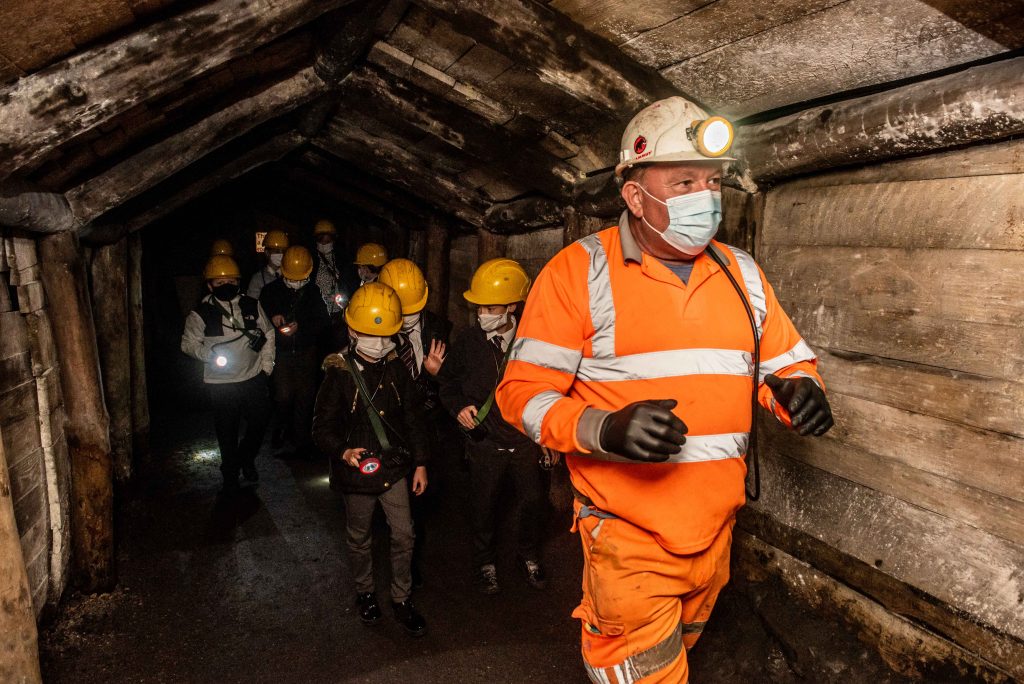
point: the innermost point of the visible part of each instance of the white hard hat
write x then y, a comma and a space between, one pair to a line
674, 130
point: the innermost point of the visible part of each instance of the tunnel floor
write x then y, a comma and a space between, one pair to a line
258, 590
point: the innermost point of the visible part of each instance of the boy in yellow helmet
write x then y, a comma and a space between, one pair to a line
275, 242
469, 378
297, 311
230, 334
369, 421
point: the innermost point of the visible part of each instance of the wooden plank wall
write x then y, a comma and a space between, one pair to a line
907, 279
32, 422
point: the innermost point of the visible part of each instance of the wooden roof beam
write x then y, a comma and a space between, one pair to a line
53, 106
169, 156
560, 51
395, 99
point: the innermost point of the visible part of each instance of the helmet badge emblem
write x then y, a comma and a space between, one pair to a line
640, 144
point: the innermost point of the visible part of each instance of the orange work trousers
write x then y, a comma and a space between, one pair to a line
643, 607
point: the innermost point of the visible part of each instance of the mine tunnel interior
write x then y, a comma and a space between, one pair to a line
877, 183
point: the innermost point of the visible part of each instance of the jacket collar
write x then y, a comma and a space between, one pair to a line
631, 250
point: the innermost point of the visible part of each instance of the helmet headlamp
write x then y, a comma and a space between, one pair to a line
712, 136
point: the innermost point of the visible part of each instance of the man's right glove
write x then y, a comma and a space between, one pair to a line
644, 431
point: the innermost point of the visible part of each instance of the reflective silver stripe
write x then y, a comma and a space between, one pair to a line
698, 448
800, 352
802, 374
642, 664
666, 364
596, 674
541, 353
755, 287
602, 306
536, 409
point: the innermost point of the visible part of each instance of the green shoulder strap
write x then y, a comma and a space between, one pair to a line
371, 411
481, 415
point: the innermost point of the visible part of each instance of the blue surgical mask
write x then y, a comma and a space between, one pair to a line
692, 220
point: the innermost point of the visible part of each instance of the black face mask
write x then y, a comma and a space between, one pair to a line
225, 292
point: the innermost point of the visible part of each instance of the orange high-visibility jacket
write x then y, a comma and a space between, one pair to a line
606, 325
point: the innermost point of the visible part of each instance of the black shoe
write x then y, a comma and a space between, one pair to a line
411, 621
487, 579
249, 473
535, 576
369, 609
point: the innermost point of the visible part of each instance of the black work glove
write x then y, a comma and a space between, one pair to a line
644, 431
806, 402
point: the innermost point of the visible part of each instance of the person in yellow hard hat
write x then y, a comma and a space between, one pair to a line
370, 258
469, 378
329, 277
222, 247
299, 316
230, 334
369, 421
275, 242
422, 344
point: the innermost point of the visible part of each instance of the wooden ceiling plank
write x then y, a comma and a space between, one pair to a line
620, 21
53, 106
856, 44
462, 130
561, 52
165, 158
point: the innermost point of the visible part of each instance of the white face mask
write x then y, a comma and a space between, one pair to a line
295, 284
409, 322
692, 220
325, 247
491, 322
373, 347
276, 259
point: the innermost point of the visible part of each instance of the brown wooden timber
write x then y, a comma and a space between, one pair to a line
578, 225
19, 655
65, 279
165, 158
524, 215
110, 308
439, 242
561, 52
912, 119
136, 336
34, 209
390, 98
52, 107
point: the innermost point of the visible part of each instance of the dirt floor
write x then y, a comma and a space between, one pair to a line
258, 590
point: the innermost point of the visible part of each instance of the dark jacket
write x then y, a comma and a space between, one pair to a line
432, 327
468, 376
304, 306
340, 420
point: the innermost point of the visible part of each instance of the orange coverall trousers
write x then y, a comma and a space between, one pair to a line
643, 607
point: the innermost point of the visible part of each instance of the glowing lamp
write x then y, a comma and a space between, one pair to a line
221, 361
712, 137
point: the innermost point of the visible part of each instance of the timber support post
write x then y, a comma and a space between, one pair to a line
110, 308
137, 342
489, 246
88, 435
19, 654
438, 262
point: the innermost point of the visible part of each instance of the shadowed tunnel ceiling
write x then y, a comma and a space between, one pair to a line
116, 112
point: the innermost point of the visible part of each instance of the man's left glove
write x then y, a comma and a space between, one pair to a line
806, 402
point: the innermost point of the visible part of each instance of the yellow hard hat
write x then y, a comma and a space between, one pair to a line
221, 266
275, 239
297, 263
498, 281
371, 254
375, 309
405, 278
324, 227
674, 130
222, 247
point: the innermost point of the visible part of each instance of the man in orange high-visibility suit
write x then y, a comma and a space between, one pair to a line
635, 357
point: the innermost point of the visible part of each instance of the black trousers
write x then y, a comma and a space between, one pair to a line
294, 382
488, 469
233, 401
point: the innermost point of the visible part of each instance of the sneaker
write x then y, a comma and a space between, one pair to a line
369, 610
535, 576
487, 579
411, 621
249, 473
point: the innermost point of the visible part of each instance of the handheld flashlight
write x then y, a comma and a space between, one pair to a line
221, 360
340, 299
285, 329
